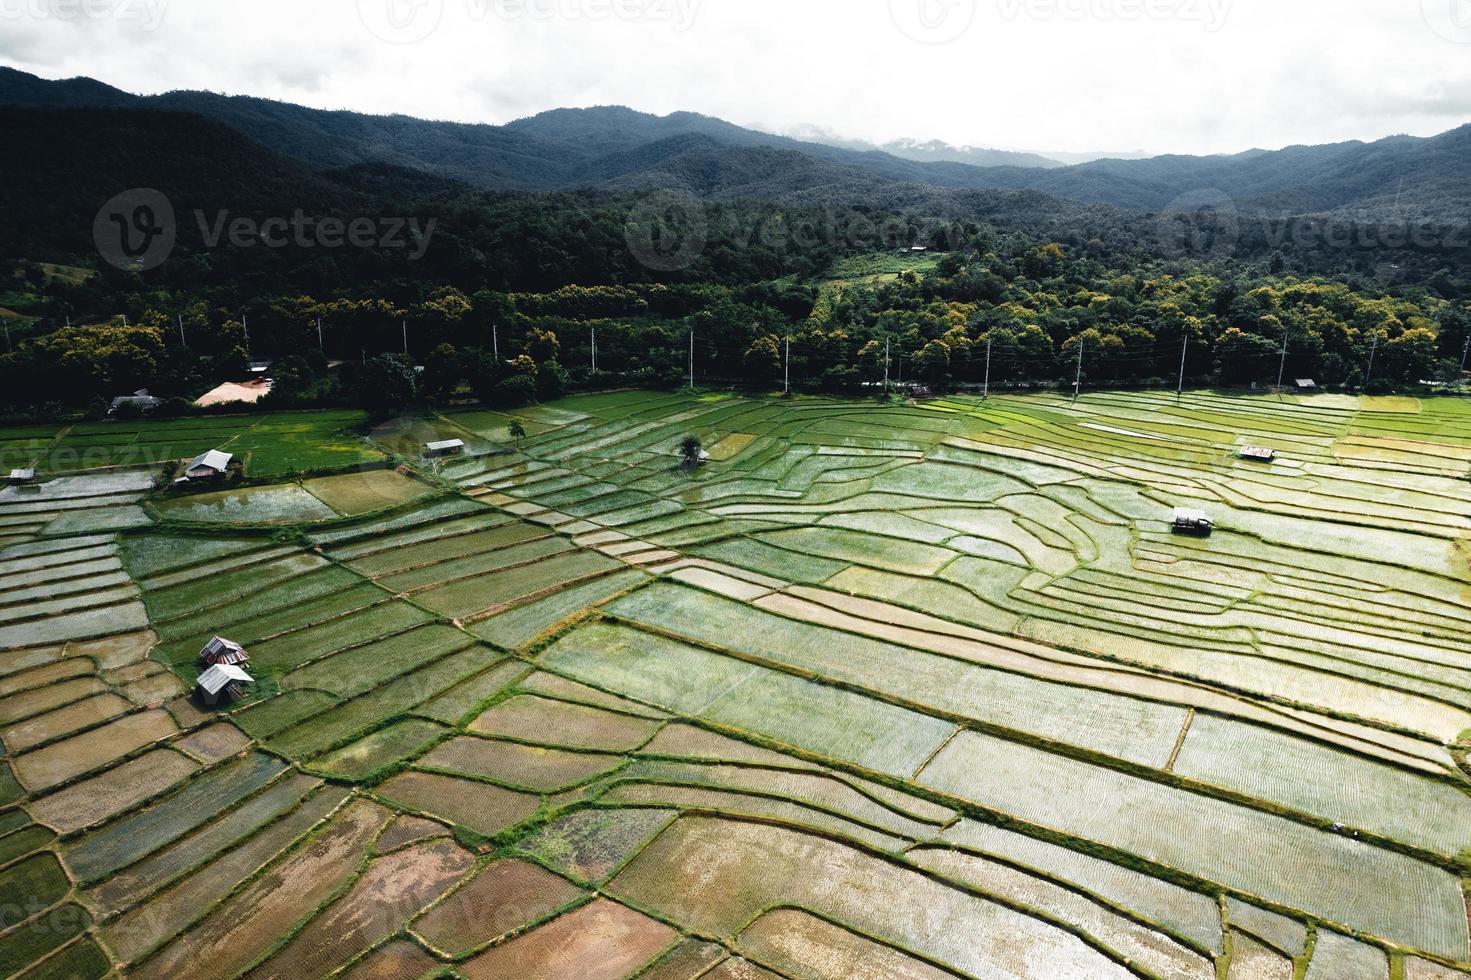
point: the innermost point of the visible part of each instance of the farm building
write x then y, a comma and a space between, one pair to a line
1305, 384
1192, 522
223, 684
446, 447
222, 651
208, 465
139, 399
1257, 454
19, 476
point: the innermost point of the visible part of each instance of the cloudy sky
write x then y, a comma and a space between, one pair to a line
1185, 76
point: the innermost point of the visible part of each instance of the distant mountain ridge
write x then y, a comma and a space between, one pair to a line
617, 148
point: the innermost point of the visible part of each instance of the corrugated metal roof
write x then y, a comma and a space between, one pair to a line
214, 459
439, 447
215, 679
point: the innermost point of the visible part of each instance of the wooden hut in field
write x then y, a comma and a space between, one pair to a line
223, 684
444, 447
21, 476
1257, 454
1192, 522
222, 651
208, 466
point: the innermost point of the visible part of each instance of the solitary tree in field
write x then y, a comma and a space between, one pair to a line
516, 431
689, 451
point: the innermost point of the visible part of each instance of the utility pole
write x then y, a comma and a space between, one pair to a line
495, 343
1180, 392
182, 341
1282, 370
786, 372
886, 365
594, 350
1078, 382
1465, 354
692, 360
899, 365
321, 344
986, 391
1373, 349
246, 327
406, 336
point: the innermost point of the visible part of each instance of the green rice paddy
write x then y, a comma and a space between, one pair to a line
914, 691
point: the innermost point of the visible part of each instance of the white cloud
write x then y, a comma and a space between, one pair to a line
1192, 76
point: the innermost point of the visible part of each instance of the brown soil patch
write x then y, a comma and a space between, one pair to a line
246, 926
534, 719
600, 941
392, 889
96, 799
689, 959
213, 743
588, 845
507, 896
483, 808
408, 830
14, 661
63, 721
399, 960
43, 699
804, 945
115, 651
64, 760
532, 767
137, 931
49, 674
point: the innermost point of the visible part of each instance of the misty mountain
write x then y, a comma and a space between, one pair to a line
617, 148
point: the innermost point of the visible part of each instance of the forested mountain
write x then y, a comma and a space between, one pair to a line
1400, 178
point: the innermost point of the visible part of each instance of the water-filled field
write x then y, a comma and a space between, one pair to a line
921, 691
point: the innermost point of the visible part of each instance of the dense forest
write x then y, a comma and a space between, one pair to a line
504, 296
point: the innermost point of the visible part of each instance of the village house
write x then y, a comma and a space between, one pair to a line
207, 466
446, 447
221, 678
1192, 522
223, 684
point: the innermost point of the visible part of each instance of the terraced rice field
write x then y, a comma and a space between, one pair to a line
916, 691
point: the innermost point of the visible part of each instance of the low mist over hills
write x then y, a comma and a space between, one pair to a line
613, 147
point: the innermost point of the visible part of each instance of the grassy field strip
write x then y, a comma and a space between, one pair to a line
1256, 853
1304, 800
919, 630
1119, 726
912, 911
